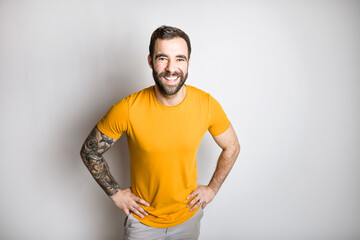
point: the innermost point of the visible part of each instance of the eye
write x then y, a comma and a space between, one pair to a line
181, 59
162, 58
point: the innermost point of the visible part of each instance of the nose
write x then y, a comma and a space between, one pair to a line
171, 66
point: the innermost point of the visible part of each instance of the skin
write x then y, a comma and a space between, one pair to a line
170, 59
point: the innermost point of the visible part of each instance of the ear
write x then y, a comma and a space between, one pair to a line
150, 61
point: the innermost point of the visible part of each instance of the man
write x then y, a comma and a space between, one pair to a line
164, 125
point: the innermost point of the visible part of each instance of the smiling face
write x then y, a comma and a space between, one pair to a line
170, 64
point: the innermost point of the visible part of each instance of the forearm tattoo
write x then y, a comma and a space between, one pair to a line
94, 147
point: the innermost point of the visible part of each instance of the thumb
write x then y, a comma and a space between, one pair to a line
127, 212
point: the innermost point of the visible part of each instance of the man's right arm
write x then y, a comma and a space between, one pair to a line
91, 153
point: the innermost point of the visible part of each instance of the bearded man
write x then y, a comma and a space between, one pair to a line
164, 125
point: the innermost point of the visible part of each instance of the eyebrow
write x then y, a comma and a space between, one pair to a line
160, 55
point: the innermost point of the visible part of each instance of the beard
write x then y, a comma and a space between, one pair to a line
168, 90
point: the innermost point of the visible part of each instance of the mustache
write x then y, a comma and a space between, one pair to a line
169, 74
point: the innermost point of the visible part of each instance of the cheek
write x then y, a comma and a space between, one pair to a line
184, 69
159, 67
159, 70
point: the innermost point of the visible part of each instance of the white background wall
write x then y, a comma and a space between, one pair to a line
286, 72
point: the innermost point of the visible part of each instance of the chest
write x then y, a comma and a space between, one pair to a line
163, 131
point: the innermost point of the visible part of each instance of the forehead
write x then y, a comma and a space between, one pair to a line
172, 46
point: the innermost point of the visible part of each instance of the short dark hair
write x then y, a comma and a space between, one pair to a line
167, 32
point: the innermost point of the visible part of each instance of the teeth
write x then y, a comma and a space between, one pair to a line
171, 78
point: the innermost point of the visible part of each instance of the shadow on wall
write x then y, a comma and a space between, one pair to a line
102, 91
118, 160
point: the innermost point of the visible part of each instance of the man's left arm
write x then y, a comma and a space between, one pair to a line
204, 194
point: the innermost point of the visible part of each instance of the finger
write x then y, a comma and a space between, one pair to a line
193, 194
140, 209
194, 201
195, 206
203, 205
142, 201
127, 212
190, 196
135, 211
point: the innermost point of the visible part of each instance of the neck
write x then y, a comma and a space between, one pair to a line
171, 100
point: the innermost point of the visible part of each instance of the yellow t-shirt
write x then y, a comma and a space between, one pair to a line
163, 143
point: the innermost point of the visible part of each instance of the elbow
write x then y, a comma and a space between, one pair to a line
237, 149
82, 156
233, 151
82, 152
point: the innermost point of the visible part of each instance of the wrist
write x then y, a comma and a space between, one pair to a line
115, 193
212, 189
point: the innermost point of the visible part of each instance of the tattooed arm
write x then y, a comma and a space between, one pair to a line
91, 153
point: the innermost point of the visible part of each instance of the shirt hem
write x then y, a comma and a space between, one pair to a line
217, 133
102, 130
165, 225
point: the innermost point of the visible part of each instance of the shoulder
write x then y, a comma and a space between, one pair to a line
197, 93
201, 96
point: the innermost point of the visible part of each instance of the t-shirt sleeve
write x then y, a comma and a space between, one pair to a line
115, 121
218, 121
